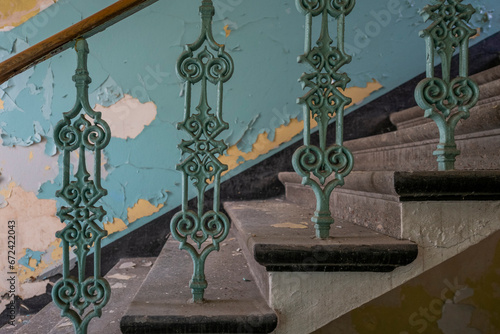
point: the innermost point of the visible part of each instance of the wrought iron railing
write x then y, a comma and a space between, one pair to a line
323, 102
204, 61
439, 97
81, 130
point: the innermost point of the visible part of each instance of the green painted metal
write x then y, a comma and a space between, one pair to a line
439, 97
81, 132
203, 61
323, 102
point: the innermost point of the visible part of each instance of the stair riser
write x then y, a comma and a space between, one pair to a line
479, 151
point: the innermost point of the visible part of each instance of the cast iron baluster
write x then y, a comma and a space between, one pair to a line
439, 96
323, 102
79, 132
200, 153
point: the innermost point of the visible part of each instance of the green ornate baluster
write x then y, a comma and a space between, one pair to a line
440, 96
203, 61
323, 102
78, 132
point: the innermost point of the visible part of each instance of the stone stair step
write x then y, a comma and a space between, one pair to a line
412, 148
375, 199
234, 302
124, 284
489, 87
279, 236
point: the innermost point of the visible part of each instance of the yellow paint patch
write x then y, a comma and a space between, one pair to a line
142, 209
291, 225
15, 12
235, 157
227, 30
31, 156
358, 94
47, 167
116, 226
1, 104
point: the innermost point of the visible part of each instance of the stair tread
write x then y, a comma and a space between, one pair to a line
234, 303
418, 185
281, 237
124, 283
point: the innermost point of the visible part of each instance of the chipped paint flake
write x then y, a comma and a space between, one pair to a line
31, 259
227, 30
142, 209
291, 225
128, 117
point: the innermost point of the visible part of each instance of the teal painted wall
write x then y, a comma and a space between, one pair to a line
136, 58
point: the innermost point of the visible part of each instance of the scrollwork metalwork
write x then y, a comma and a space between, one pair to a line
323, 102
440, 96
202, 62
81, 132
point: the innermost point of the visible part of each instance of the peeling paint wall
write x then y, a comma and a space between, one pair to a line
132, 65
459, 296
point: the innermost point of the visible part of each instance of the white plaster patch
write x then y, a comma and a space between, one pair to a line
36, 225
28, 290
29, 167
121, 276
128, 117
127, 265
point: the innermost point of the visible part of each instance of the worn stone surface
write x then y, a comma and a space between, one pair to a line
374, 199
281, 238
124, 284
442, 230
234, 303
489, 86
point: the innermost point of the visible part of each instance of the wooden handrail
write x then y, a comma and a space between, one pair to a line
66, 38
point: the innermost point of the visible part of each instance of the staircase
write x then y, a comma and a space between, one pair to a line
271, 275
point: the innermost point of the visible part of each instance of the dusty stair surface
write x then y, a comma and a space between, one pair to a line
234, 303
396, 190
125, 278
410, 148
